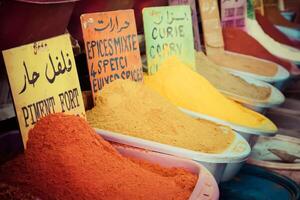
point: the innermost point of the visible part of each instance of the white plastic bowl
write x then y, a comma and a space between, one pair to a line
288, 15
236, 127
237, 152
289, 107
284, 120
292, 33
232, 168
282, 73
206, 187
263, 158
275, 99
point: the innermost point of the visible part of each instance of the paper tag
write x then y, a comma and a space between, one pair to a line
259, 6
211, 26
43, 80
271, 2
112, 48
168, 32
250, 9
192, 4
233, 13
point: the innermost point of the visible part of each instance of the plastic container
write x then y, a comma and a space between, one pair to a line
276, 97
206, 187
232, 168
284, 120
287, 132
240, 129
237, 152
260, 155
288, 15
289, 107
256, 183
282, 73
292, 33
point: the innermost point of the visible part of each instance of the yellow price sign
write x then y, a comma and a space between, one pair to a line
43, 80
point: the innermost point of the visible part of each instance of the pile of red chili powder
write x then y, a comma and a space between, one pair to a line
273, 32
66, 159
239, 41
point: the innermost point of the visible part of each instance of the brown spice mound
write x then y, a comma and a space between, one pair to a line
66, 159
245, 64
230, 84
133, 109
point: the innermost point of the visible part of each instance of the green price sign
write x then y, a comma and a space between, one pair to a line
168, 32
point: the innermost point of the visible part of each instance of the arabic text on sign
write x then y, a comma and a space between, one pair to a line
58, 66
111, 25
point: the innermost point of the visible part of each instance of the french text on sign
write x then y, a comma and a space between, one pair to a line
43, 80
112, 48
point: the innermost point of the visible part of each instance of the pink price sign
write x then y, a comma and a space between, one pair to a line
233, 13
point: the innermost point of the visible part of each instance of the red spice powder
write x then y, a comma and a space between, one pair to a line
66, 159
239, 41
273, 32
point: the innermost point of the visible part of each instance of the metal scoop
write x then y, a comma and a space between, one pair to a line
284, 156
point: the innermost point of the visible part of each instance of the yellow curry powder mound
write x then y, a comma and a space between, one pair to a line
132, 109
188, 89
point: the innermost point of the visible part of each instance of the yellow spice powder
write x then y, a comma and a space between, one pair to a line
132, 109
230, 85
188, 89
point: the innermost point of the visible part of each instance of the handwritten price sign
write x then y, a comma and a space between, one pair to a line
112, 48
233, 13
43, 79
168, 32
192, 4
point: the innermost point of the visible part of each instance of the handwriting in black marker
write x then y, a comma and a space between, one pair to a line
37, 46
69, 67
171, 19
103, 28
60, 69
93, 73
34, 77
168, 18
125, 26
159, 22
112, 26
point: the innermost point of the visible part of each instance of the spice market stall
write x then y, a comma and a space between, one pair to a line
149, 100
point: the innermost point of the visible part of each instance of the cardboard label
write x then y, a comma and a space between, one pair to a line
259, 6
233, 13
211, 25
250, 9
168, 32
192, 4
271, 2
43, 80
112, 47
